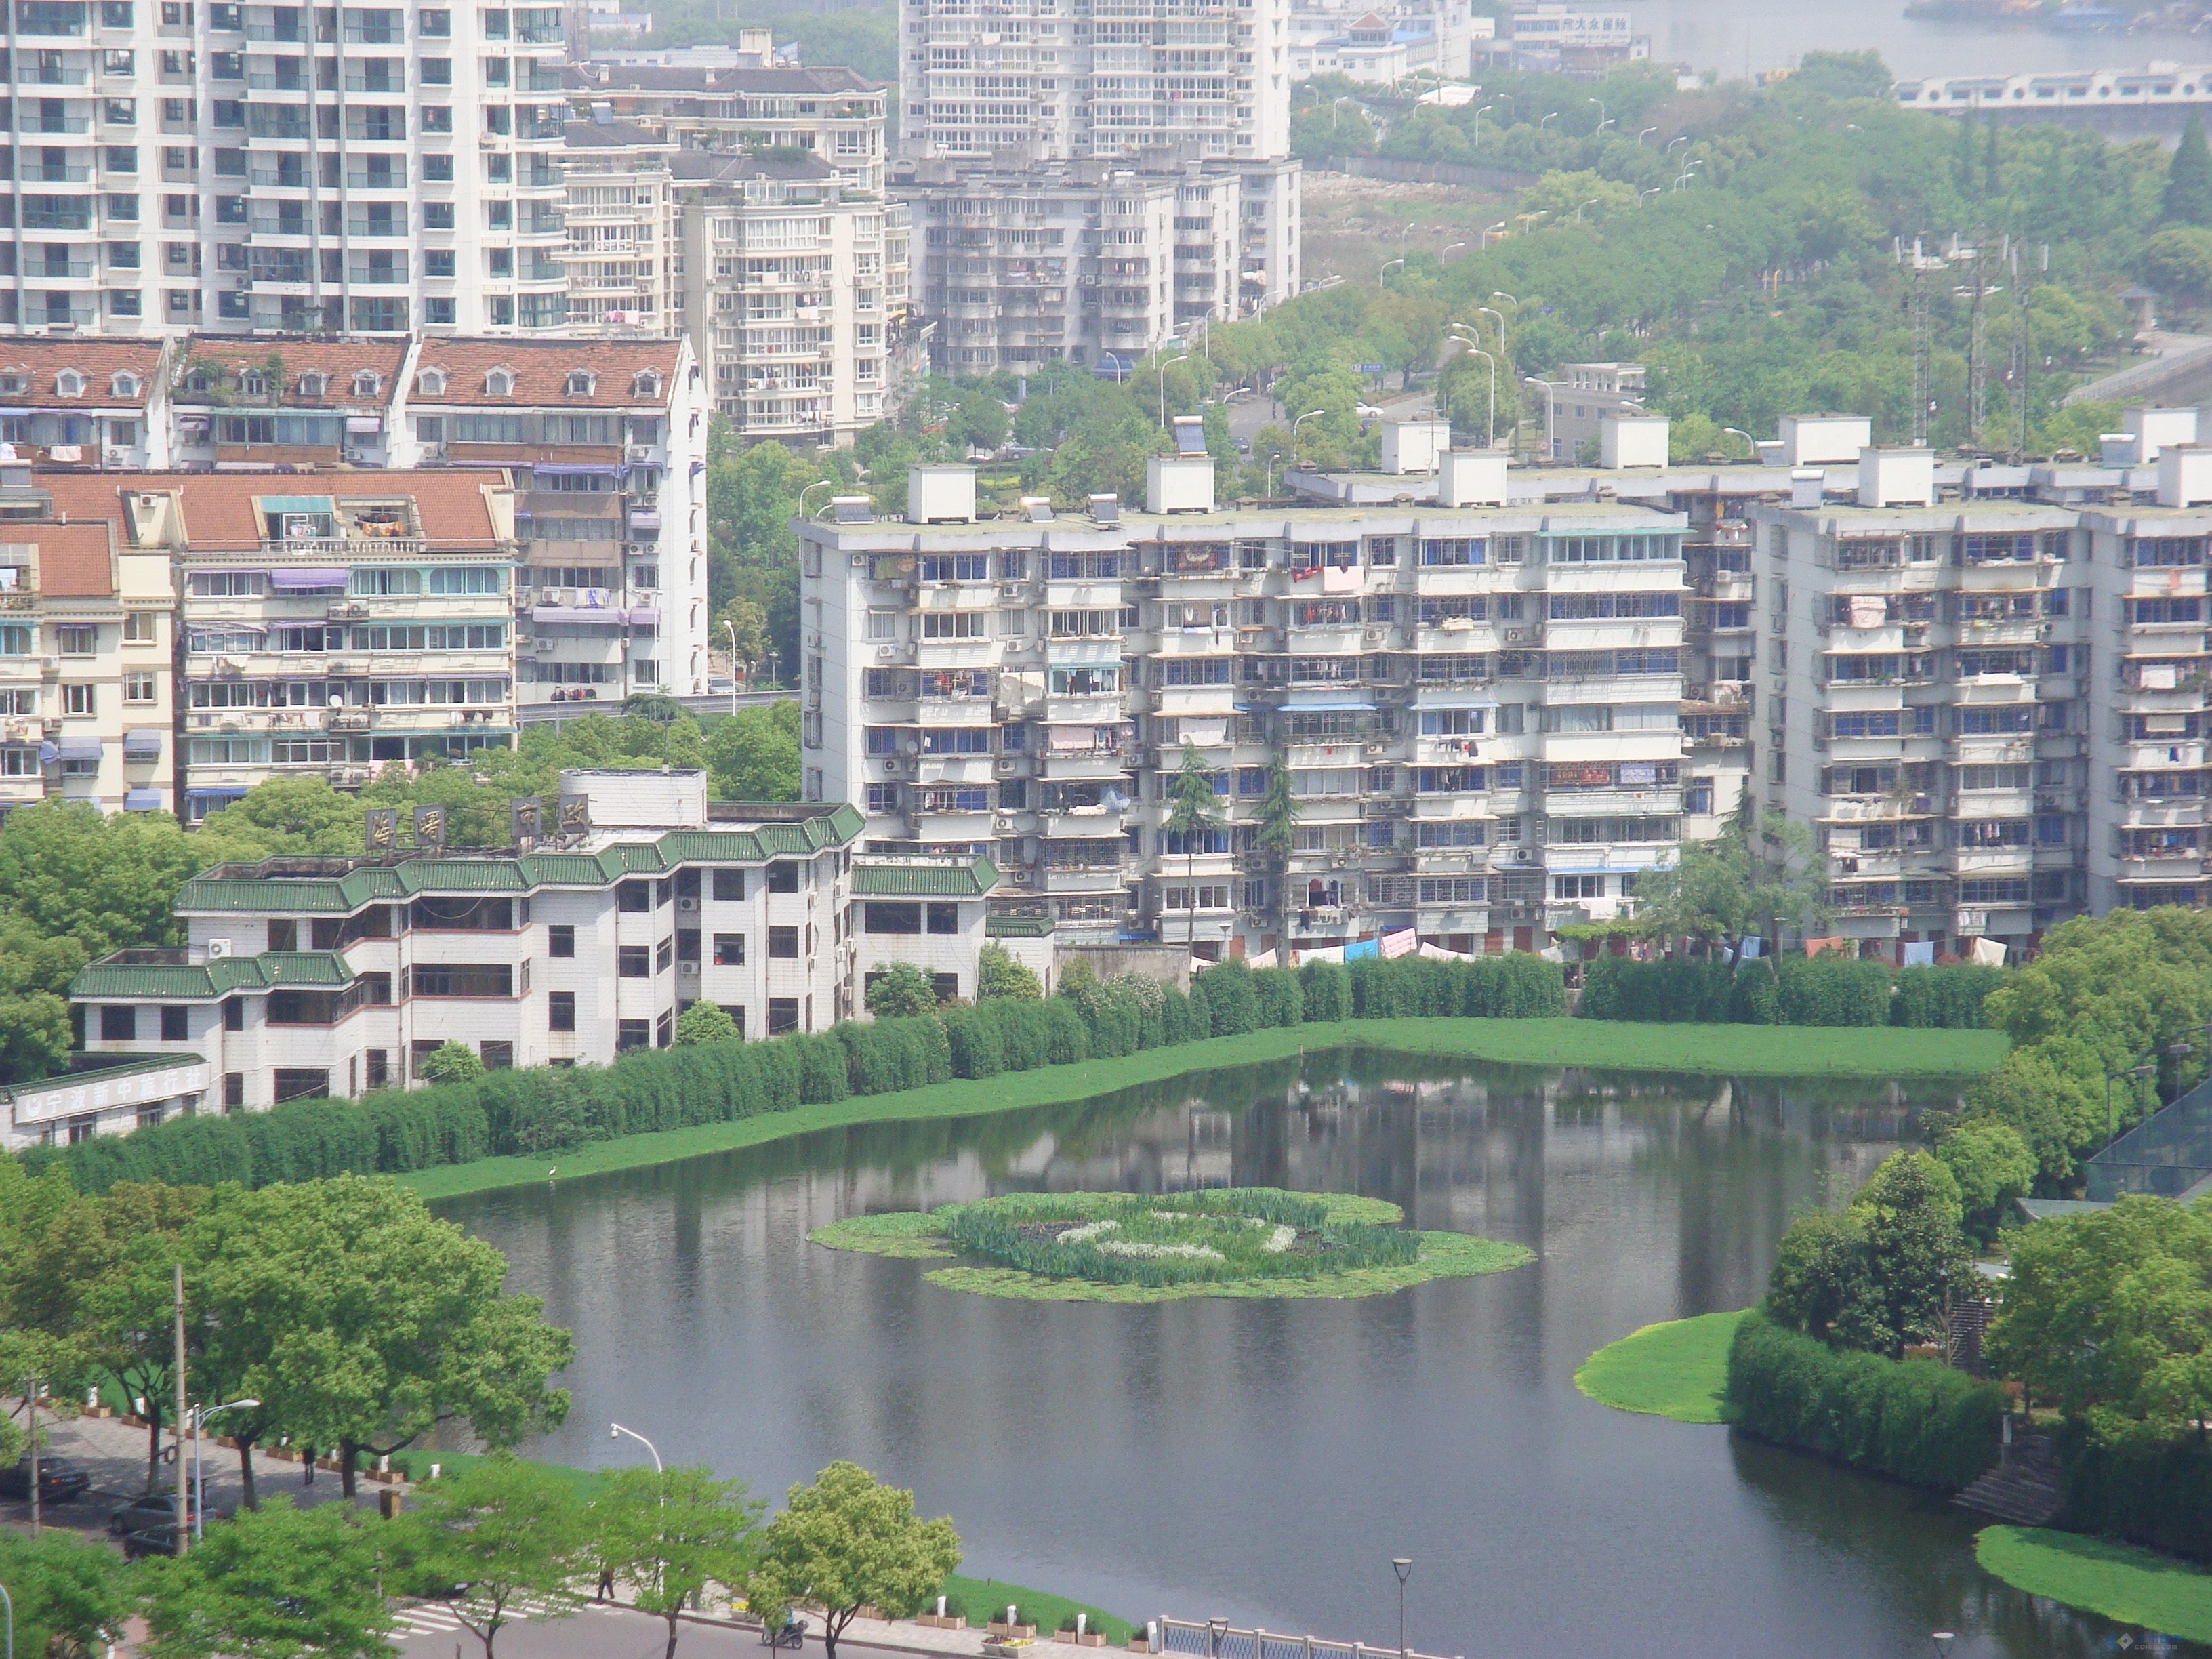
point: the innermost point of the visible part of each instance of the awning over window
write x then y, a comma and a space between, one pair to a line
74, 749
646, 616
216, 793
315, 576
1455, 700
1066, 739
295, 503
364, 423
645, 517
142, 800
1323, 708
573, 469
144, 742
587, 616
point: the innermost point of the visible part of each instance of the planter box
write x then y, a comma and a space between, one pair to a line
999, 1631
865, 1611
97, 1412
943, 1621
1137, 1644
1088, 1638
228, 1442
282, 1454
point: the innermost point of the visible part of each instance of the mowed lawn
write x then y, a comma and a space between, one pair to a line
1678, 1370
2128, 1585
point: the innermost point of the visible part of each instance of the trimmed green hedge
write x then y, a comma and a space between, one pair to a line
1916, 1420
2158, 1494
509, 1112
1824, 990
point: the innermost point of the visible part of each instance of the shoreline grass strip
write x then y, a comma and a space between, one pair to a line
2125, 1585
1718, 1051
1677, 1370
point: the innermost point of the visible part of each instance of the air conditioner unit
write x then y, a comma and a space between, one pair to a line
641, 451
1004, 765
1371, 636
217, 949
1010, 591
687, 905
1515, 636
884, 652
893, 767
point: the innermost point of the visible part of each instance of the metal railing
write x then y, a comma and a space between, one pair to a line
1227, 1642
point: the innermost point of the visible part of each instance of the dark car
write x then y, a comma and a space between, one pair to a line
59, 1480
149, 1540
155, 1510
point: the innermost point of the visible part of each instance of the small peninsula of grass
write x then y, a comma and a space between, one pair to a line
1765, 1051
2128, 1585
1677, 1370
1120, 1246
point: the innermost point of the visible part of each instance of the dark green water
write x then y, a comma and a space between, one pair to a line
1266, 1459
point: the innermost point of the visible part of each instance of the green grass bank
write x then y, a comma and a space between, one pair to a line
1677, 1370
2128, 1585
1768, 1051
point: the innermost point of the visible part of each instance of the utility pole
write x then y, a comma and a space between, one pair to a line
31, 1410
1977, 351
1921, 266
177, 1424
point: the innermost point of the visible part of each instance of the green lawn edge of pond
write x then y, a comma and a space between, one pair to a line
1677, 1370
979, 1595
2128, 1585
1775, 1051
914, 1234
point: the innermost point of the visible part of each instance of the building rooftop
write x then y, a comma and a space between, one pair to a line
715, 78
307, 372
610, 135
545, 374
729, 166
227, 512
883, 876
116, 373
74, 561
150, 974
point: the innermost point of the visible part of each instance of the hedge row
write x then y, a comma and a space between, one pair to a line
544, 1109
2157, 1494
1916, 1420
1823, 990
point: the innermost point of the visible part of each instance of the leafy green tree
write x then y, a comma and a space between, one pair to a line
998, 974
1194, 814
276, 1582
1992, 1164
705, 1022
753, 755
2178, 263
451, 1062
284, 814
35, 970
2109, 1316
897, 991
671, 1536
747, 621
1275, 836
361, 1321
846, 1542
1843, 74
505, 1531
978, 422
71, 1594
1915, 1252
106, 880
2188, 196
1742, 881
1819, 1273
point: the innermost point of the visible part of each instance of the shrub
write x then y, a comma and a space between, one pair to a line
1916, 1420
706, 1022
1950, 995
2156, 1493
998, 974
1326, 989
899, 991
973, 1040
1232, 1005
1833, 990
1280, 1000
451, 1062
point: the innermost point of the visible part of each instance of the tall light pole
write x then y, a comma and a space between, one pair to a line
1679, 138
1603, 124
1553, 116
1646, 133
616, 1432
1402, 1567
819, 484
1643, 196
733, 628
1490, 424
1446, 254
1301, 421
1592, 202
1498, 317
1479, 114
1738, 432
1538, 379
199, 1475
1385, 272
1182, 357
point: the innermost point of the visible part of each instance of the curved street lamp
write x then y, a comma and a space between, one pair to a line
1738, 432
1446, 254
199, 1477
1490, 422
819, 484
1479, 114
1592, 202
1603, 124
1553, 116
1646, 133
1183, 357
1549, 388
616, 1432
1385, 272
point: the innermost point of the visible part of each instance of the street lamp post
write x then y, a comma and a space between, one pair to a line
1490, 422
1479, 114
732, 629
1402, 1567
1183, 357
199, 1476
1592, 202
1646, 133
1385, 272
1498, 317
1738, 432
1302, 420
1553, 116
8, 1602
616, 1432
819, 484
1446, 254
1549, 387
1603, 124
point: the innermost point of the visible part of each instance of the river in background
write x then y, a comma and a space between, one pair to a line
1265, 1459
1740, 36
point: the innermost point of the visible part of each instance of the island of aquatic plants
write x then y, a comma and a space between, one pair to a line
1123, 1247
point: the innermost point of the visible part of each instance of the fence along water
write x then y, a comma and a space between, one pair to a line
1211, 1641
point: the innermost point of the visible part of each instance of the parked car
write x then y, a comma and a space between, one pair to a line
156, 1509
150, 1541
59, 1480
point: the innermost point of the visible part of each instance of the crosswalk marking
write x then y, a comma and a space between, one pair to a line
438, 1617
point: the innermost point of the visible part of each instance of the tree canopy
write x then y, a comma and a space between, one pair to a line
846, 1542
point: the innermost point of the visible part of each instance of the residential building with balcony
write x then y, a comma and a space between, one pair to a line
82, 401
620, 212
605, 441
832, 114
243, 168
86, 686
310, 977
792, 288
289, 401
1926, 703
331, 623
1479, 702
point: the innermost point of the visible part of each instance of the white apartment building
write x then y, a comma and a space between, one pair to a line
338, 975
87, 688
605, 442
1579, 398
834, 115
1034, 82
791, 286
245, 169
620, 211
1479, 702
1080, 261
331, 623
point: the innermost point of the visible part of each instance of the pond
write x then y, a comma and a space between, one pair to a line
1265, 1459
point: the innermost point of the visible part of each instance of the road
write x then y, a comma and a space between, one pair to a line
712, 702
